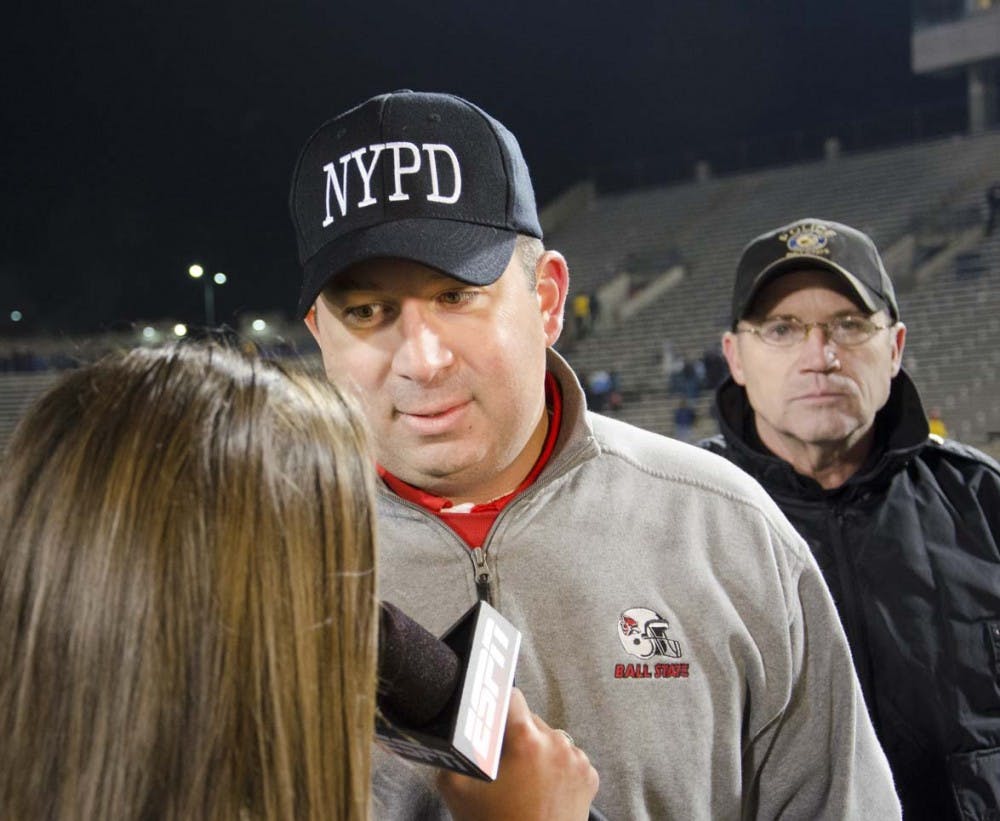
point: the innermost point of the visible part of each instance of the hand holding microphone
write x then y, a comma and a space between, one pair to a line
543, 776
450, 702
444, 701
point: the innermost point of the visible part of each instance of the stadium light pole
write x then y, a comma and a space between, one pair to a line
197, 272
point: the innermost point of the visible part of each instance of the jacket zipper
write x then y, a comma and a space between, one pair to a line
479, 559
482, 574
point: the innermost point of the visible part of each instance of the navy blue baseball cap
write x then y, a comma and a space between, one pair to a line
814, 243
420, 176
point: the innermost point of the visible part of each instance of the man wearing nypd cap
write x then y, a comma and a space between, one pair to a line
905, 526
673, 622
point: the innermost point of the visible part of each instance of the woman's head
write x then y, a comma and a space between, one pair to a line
186, 594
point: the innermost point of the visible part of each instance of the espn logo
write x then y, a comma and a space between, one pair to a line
485, 699
491, 661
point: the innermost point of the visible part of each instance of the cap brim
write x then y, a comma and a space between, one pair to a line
805, 261
476, 254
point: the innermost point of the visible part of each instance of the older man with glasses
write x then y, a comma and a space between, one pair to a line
905, 527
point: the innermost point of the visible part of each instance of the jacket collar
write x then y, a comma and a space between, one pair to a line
900, 433
576, 440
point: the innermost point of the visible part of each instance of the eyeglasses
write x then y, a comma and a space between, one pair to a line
786, 331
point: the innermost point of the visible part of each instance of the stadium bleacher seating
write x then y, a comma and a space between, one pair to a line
17, 390
896, 195
923, 204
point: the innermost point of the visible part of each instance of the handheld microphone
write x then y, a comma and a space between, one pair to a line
444, 701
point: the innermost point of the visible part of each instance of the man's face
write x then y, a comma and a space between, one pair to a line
451, 375
800, 396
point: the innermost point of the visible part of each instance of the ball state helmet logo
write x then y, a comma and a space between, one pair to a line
643, 633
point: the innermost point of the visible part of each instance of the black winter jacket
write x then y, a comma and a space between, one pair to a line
910, 548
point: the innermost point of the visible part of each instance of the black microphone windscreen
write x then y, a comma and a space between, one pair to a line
417, 672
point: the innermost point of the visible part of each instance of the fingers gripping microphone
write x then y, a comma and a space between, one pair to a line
444, 701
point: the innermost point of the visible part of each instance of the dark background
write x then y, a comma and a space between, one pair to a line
139, 137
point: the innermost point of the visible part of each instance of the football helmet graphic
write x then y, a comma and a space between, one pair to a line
643, 633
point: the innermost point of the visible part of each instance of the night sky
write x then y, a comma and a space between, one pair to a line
139, 137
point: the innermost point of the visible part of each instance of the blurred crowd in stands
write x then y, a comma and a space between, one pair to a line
687, 376
25, 360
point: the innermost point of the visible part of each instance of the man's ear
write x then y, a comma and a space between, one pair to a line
312, 323
898, 332
731, 350
551, 287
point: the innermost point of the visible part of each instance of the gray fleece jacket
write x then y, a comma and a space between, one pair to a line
673, 623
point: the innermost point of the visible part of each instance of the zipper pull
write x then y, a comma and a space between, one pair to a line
482, 574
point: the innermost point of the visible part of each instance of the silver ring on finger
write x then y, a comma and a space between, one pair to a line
567, 736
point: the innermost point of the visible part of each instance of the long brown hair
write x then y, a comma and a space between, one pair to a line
187, 624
